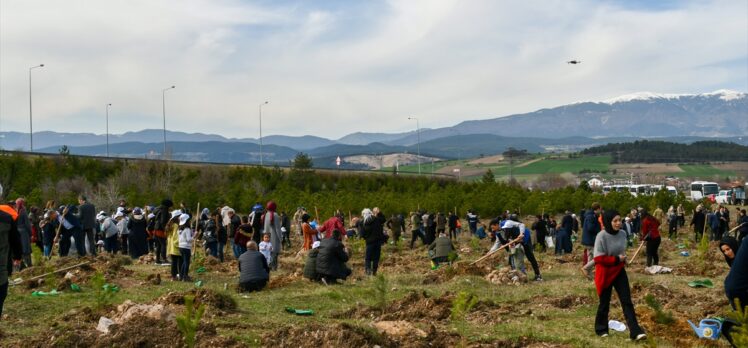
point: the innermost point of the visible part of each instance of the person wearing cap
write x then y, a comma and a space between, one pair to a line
124, 232
254, 272
172, 244
310, 266
272, 225
162, 218
610, 273
87, 216
185, 246
110, 231
332, 258
138, 239
10, 248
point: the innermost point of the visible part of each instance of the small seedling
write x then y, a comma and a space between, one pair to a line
462, 304
189, 321
380, 291
661, 317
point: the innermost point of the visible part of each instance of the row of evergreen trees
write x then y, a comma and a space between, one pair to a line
39, 179
649, 151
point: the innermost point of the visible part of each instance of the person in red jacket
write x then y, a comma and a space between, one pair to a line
651, 234
332, 224
610, 272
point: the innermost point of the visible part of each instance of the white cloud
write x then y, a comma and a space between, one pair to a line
334, 69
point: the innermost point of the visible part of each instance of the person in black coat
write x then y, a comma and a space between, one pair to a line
331, 259
373, 233
310, 266
697, 221
162, 217
138, 238
87, 217
254, 272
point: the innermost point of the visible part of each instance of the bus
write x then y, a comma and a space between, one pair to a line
704, 189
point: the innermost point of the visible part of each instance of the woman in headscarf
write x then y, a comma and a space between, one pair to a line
729, 248
651, 234
24, 230
610, 272
272, 223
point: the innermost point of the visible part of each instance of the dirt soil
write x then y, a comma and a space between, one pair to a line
446, 273
212, 298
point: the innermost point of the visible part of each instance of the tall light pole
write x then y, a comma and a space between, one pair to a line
418, 131
163, 104
31, 120
261, 155
107, 128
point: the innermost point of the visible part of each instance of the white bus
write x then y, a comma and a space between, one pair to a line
639, 190
704, 189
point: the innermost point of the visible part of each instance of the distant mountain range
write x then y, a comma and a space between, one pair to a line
684, 118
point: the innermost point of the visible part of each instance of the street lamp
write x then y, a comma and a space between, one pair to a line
107, 128
265, 103
418, 131
31, 122
163, 104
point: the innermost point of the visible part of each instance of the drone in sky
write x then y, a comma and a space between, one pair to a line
574, 62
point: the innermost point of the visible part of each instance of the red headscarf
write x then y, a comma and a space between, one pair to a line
270, 207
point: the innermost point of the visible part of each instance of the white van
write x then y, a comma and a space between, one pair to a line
703, 189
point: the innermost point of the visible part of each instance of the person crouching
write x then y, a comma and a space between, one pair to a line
254, 271
440, 250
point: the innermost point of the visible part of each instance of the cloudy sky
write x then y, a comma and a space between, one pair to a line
330, 68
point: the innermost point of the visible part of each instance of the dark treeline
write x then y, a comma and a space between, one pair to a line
649, 151
140, 183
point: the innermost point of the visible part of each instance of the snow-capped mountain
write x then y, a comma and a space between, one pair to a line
722, 94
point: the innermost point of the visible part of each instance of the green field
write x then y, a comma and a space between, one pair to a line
703, 170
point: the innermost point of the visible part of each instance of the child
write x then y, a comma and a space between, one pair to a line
49, 230
266, 247
185, 246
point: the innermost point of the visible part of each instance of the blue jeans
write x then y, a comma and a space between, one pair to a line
47, 250
111, 245
184, 270
221, 247
373, 252
212, 248
563, 242
235, 248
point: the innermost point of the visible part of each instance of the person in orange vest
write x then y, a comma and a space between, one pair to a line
10, 247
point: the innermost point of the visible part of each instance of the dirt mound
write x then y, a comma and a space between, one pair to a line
704, 269
348, 335
570, 301
446, 273
679, 333
283, 280
215, 299
416, 306
660, 292
333, 335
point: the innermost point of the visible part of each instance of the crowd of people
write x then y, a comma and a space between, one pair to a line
257, 239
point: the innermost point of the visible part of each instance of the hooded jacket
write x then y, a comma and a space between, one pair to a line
590, 228
733, 244
331, 258
10, 243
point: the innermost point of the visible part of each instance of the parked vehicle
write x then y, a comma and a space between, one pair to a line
723, 197
704, 189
